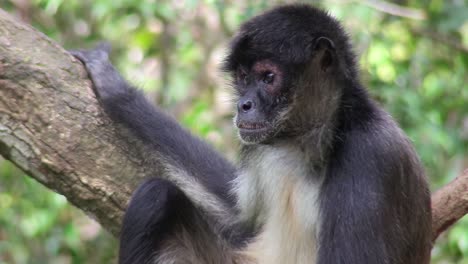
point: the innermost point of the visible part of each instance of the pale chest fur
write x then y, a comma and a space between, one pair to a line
280, 192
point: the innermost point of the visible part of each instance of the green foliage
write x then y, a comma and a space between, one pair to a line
416, 68
39, 226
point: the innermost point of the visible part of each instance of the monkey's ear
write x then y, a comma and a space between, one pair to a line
324, 42
325, 49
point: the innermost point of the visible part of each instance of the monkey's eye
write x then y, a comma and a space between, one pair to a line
268, 78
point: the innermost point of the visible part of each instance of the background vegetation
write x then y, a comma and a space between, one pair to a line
413, 55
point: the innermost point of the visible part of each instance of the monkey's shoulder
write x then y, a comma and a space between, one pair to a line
379, 149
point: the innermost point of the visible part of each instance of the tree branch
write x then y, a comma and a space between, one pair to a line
396, 10
52, 127
449, 204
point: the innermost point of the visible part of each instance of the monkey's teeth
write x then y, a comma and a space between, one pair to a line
252, 126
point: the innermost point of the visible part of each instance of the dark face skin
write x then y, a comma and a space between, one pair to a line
262, 100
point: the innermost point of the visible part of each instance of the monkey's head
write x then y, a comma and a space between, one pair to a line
286, 66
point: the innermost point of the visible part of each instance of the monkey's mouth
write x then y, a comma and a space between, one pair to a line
254, 132
251, 126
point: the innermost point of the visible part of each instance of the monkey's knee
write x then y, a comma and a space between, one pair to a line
148, 220
154, 199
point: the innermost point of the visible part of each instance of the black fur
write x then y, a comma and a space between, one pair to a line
128, 106
374, 201
157, 206
288, 34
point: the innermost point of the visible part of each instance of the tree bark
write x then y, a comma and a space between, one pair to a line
52, 127
449, 204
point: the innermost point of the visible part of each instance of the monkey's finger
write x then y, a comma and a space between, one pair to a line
88, 56
79, 55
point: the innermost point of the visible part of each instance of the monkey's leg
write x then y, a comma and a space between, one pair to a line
150, 218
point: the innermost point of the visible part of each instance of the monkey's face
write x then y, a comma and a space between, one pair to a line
261, 100
284, 65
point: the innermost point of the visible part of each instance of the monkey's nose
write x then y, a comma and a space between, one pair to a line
245, 105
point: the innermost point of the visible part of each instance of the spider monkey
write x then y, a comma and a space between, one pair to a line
325, 174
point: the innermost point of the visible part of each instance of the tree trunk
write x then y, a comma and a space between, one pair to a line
52, 127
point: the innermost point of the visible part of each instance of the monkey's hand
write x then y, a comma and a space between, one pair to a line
107, 82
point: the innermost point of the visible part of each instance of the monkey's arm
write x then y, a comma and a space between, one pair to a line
199, 177
128, 106
375, 204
